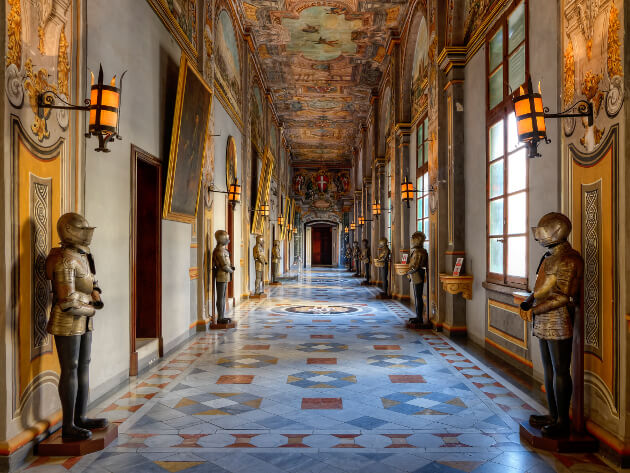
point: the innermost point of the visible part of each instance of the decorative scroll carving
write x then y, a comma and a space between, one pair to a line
14, 85
36, 83
591, 222
456, 284
41, 191
569, 75
14, 34
614, 55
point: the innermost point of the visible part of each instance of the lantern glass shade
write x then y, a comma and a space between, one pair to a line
361, 220
264, 209
234, 194
104, 110
406, 189
295, 230
346, 230
280, 221
353, 226
530, 116
376, 209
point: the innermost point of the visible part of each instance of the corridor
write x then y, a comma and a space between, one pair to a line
319, 377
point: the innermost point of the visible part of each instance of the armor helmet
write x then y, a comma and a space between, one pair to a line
553, 228
418, 239
260, 240
382, 242
276, 243
222, 237
74, 230
365, 242
356, 244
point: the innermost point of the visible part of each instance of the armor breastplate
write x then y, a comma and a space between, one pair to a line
72, 283
220, 259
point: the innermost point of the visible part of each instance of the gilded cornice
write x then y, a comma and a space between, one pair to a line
452, 56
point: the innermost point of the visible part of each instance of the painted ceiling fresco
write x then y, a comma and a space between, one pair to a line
323, 59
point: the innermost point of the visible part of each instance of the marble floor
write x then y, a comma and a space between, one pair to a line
320, 377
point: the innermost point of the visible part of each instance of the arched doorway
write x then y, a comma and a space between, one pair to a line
321, 245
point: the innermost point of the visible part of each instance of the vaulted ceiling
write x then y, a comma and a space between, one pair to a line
322, 61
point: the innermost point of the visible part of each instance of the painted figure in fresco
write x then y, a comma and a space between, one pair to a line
552, 307
382, 263
222, 269
275, 260
76, 297
418, 261
366, 256
260, 260
356, 256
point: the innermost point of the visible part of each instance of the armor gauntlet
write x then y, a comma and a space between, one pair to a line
69, 300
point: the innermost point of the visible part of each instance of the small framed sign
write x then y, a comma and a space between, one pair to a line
405, 256
458, 266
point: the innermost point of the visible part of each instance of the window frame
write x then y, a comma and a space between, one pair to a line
422, 168
501, 112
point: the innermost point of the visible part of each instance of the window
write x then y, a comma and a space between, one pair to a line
422, 179
507, 171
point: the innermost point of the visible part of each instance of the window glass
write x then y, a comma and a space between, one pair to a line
517, 171
517, 214
516, 27
496, 178
496, 140
517, 256
495, 56
496, 217
495, 88
516, 69
496, 256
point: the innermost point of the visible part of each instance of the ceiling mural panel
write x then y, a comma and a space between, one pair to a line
323, 60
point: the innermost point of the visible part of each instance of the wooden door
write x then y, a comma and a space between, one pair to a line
146, 251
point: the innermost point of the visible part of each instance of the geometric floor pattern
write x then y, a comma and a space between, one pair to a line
319, 377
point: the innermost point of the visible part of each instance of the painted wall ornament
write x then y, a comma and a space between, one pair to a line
14, 34
227, 60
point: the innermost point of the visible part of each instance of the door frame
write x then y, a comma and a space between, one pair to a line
137, 155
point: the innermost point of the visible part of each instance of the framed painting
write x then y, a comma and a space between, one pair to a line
262, 196
181, 18
228, 65
188, 145
231, 163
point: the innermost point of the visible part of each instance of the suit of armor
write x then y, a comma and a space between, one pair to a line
365, 259
260, 261
275, 260
349, 257
76, 297
382, 262
222, 269
417, 264
551, 306
356, 255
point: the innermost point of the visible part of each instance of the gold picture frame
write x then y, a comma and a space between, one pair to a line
231, 162
262, 196
188, 144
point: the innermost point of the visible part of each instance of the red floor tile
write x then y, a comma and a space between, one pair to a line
321, 361
406, 378
322, 320
387, 347
256, 347
236, 379
324, 337
322, 403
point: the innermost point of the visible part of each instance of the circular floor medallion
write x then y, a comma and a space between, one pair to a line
321, 309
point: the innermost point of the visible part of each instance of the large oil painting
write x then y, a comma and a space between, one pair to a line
256, 109
188, 143
420, 61
228, 63
180, 18
385, 118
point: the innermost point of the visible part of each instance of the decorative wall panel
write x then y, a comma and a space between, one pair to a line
593, 181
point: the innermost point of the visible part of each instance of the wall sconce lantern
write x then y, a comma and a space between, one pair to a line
264, 210
347, 231
531, 114
103, 105
353, 226
361, 221
281, 221
234, 194
295, 230
407, 191
376, 209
